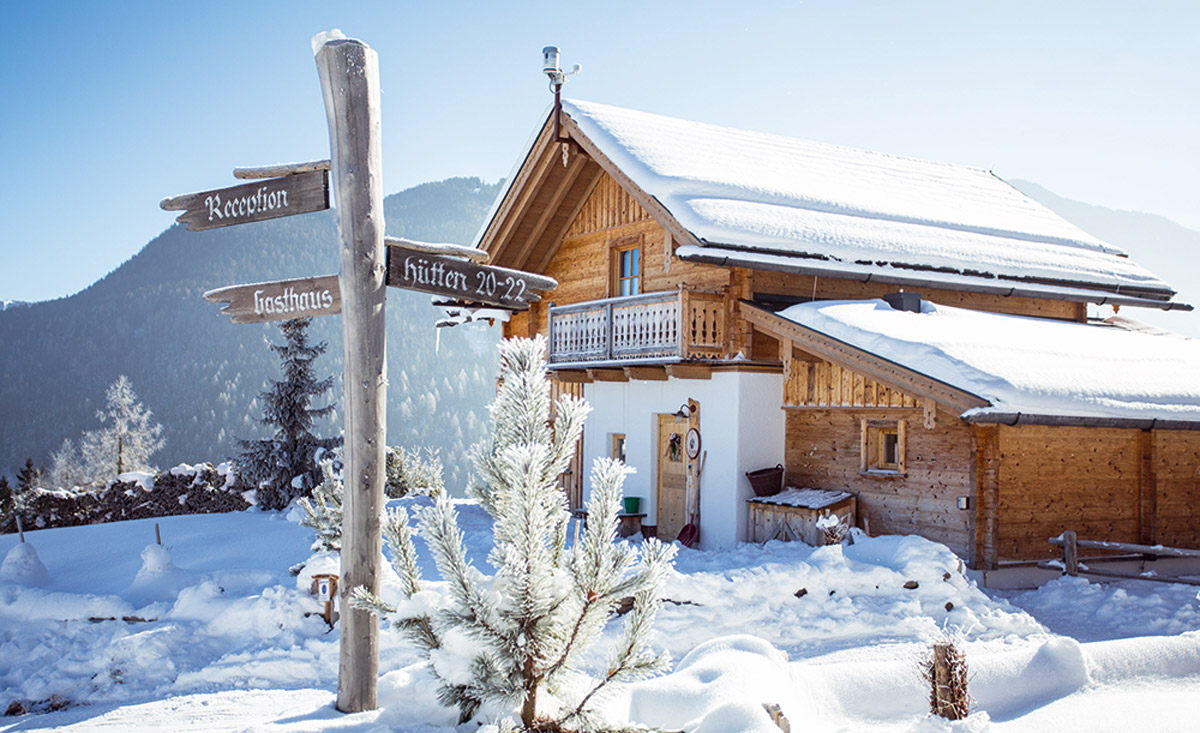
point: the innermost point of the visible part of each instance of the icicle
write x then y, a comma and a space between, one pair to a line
437, 340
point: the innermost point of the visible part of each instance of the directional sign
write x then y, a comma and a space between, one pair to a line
280, 300
465, 281
257, 201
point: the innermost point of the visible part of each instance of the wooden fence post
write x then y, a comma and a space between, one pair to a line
349, 72
1070, 553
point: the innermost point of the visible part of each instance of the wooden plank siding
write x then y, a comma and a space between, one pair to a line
1177, 488
812, 382
1103, 483
822, 450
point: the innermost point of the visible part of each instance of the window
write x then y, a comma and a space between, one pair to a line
627, 266
883, 446
618, 446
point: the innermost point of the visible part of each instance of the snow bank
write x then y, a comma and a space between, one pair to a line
239, 644
721, 685
23, 567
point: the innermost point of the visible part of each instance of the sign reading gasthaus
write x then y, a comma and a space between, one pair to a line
281, 300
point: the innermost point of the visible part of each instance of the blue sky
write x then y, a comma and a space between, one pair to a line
109, 107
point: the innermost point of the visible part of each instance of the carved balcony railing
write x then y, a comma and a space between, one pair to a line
683, 324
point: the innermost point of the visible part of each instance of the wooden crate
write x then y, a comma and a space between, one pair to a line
792, 514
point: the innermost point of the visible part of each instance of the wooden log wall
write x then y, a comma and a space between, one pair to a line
822, 450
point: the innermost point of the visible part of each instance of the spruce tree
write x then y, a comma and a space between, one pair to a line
6, 498
28, 477
284, 466
546, 605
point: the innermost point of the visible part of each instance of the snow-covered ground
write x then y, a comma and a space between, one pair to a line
212, 634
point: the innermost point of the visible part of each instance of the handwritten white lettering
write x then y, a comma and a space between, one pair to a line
291, 301
242, 206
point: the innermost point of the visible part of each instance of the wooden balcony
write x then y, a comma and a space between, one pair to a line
661, 327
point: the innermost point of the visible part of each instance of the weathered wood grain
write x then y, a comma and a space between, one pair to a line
458, 278
349, 72
259, 201
280, 300
279, 169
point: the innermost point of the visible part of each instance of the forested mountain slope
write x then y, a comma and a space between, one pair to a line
201, 375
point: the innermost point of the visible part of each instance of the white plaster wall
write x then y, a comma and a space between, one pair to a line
741, 427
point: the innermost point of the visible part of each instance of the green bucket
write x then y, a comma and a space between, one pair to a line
632, 504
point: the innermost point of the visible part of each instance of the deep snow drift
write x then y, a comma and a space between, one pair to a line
210, 631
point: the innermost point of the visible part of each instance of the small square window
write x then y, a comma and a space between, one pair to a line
882, 446
618, 446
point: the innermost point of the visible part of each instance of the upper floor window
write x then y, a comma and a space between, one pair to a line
627, 266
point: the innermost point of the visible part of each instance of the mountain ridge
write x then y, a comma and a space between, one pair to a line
201, 375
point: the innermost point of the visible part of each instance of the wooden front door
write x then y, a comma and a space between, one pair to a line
571, 480
671, 460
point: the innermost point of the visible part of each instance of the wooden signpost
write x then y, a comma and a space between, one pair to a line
280, 300
272, 198
349, 73
463, 280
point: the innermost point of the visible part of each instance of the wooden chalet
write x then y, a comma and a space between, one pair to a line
700, 265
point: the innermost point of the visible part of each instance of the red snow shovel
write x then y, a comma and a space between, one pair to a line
691, 531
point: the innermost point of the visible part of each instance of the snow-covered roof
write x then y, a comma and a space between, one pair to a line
1032, 367
852, 210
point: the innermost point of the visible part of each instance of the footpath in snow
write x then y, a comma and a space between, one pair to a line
211, 632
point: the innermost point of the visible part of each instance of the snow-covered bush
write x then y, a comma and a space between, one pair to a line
413, 472
505, 640
323, 513
199, 489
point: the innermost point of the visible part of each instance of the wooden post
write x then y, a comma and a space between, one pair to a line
157, 534
943, 704
1070, 553
349, 72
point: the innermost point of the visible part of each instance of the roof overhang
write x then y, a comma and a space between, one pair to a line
547, 191
754, 260
863, 362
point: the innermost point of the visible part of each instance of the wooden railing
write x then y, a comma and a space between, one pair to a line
638, 327
1071, 565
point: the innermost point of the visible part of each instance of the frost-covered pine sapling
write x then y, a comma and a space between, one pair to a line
530, 624
324, 512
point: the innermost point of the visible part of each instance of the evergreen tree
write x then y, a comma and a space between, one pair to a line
126, 439
408, 472
533, 620
28, 477
284, 466
6, 498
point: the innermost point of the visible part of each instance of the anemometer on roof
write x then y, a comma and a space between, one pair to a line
550, 68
